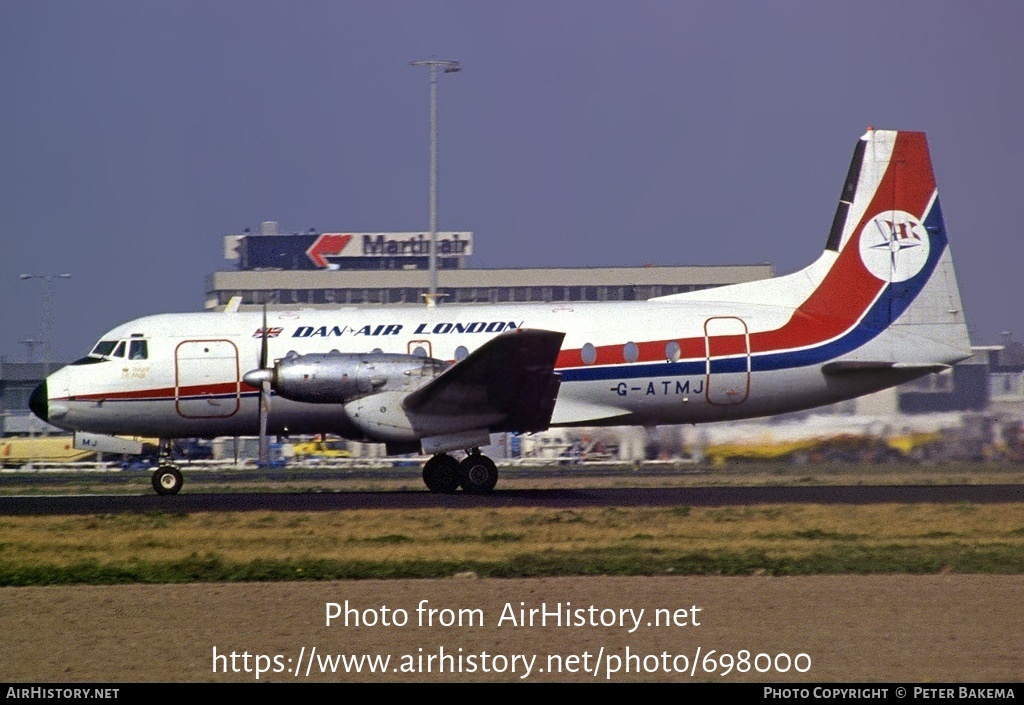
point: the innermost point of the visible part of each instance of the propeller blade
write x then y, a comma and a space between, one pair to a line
263, 377
263, 341
264, 413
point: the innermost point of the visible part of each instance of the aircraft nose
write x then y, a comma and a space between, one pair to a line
39, 402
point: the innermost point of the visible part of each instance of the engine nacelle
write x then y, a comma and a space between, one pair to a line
336, 378
383, 417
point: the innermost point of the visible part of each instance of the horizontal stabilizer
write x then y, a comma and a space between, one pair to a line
510, 377
852, 366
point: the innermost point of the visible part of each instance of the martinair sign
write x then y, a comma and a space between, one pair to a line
330, 250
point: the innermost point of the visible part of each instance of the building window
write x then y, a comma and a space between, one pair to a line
1006, 386
15, 398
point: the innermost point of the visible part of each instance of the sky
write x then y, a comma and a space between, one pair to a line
135, 135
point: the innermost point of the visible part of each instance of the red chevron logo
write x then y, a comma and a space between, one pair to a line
325, 245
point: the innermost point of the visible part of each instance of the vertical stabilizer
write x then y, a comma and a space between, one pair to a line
894, 265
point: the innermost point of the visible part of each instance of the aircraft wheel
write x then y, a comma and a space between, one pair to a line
441, 474
478, 474
167, 480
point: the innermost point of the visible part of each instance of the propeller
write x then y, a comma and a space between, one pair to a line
261, 377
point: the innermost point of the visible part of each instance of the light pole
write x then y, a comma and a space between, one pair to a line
30, 347
436, 66
47, 314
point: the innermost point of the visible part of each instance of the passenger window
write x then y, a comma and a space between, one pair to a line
119, 350
138, 350
589, 354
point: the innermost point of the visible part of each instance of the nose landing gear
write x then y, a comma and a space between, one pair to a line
167, 478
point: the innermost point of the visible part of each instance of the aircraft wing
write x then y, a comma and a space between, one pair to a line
510, 377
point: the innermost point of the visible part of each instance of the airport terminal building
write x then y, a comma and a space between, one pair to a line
330, 269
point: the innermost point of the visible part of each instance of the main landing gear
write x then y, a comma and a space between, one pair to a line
166, 478
476, 474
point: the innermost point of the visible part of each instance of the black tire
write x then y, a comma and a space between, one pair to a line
478, 474
441, 474
167, 480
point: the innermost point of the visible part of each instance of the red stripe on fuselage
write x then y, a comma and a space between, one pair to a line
202, 390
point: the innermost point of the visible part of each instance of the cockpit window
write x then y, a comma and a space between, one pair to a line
104, 348
134, 349
138, 350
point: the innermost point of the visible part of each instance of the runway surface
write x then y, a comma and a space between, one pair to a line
558, 498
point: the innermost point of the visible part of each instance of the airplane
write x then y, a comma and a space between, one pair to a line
879, 307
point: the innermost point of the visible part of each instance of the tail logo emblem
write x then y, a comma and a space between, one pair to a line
894, 246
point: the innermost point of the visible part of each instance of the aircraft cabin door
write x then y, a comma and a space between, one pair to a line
727, 350
206, 378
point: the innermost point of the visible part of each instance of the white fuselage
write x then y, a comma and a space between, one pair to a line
878, 307
659, 362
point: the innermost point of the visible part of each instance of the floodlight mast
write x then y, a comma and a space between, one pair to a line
436, 66
46, 312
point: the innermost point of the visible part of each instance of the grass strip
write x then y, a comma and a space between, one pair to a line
177, 547
889, 559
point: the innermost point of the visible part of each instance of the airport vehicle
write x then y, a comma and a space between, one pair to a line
320, 449
880, 306
18, 451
